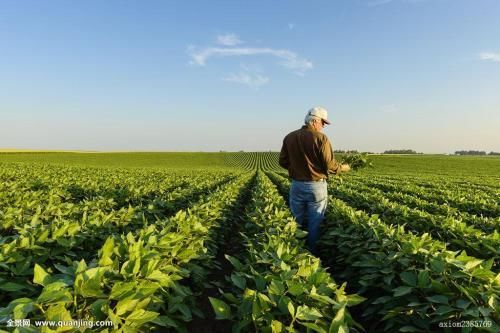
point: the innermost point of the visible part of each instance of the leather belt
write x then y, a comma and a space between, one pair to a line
319, 180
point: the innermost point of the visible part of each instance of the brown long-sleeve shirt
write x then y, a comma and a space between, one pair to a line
308, 155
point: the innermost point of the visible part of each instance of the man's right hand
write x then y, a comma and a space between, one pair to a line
345, 168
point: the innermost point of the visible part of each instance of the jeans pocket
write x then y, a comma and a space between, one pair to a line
319, 192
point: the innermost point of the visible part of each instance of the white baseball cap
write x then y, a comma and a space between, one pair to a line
319, 112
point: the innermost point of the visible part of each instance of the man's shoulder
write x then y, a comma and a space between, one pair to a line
319, 136
293, 133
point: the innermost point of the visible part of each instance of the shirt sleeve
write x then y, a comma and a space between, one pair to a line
284, 160
332, 165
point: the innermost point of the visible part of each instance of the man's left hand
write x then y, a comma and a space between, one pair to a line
345, 168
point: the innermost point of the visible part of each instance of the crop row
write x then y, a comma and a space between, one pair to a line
457, 233
486, 224
276, 285
462, 185
470, 203
411, 282
51, 231
136, 276
254, 160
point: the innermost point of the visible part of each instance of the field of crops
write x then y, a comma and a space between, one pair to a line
205, 242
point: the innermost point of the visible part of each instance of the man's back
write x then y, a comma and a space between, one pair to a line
307, 154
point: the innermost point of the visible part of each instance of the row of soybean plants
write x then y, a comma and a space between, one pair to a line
254, 160
141, 280
243, 160
276, 285
58, 237
412, 282
446, 228
268, 161
42, 221
466, 200
472, 184
486, 224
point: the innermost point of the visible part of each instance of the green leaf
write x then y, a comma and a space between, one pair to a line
440, 299
239, 281
264, 298
383, 299
21, 310
276, 326
184, 310
409, 278
354, 299
165, 321
53, 296
40, 276
235, 262
279, 250
491, 302
99, 309
463, 303
221, 309
295, 288
164, 279
141, 316
473, 263
409, 328
121, 290
147, 288
230, 297
241, 326
58, 312
291, 309
444, 309
437, 266
81, 267
306, 313
485, 311
260, 283
65, 270
314, 327
88, 283
106, 252
257, 310
423, 279
338, 320
12, 286
400, 291
125, 306
58, 285
304, 271
276, 287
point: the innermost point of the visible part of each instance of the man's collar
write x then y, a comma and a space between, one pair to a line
309, 127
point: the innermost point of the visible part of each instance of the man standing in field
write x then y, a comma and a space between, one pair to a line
308, 156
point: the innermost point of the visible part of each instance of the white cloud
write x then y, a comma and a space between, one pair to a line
243, 77
288, 58
228, 40
490, 56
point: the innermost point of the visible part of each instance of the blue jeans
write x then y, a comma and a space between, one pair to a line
308, 202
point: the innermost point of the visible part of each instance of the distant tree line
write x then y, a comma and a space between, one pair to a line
401, 151
340, 151
475, 152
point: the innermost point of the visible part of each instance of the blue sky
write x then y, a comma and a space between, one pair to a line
239, 75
